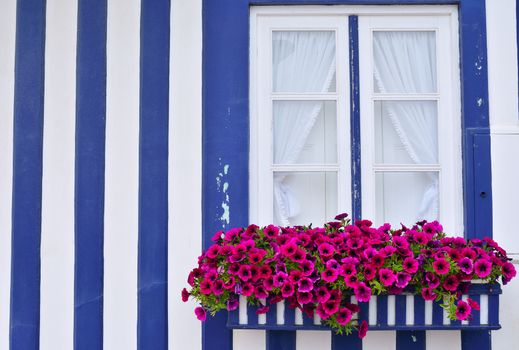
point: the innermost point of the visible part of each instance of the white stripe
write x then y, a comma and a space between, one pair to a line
373, 311
246, 340
312, 340
298, 317
242, 311
391, 310
280, 312
444, 340
317, 319
409, 309
483, 312
57, 231
446, 319
121, 175
7, 44
379, 340
185, 168
428, 312
262, 319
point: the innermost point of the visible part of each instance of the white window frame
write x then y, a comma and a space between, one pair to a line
264, 19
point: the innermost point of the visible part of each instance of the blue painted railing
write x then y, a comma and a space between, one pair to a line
405, 312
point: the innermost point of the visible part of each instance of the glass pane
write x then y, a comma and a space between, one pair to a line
305, 132
406, 132
404, 61
406, 197
303, 61
305, 197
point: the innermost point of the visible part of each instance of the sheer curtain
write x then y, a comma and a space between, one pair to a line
405, 62
303, 61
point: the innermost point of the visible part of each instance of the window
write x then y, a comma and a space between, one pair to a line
410, 125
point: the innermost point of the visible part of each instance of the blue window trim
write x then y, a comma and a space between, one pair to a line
225, 120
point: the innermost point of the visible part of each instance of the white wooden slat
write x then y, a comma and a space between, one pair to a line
7, 44
280, 312
391, 313
57, 230
121, 175
464, 298
372, 311
242, 308
298, 317
443, 340
313, 340
428, 312
409, 309
483, 312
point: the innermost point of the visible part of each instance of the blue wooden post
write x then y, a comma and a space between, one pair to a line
346, 342
410, 340
281, 340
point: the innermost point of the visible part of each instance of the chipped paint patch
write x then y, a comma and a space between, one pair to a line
222, 187
480, 102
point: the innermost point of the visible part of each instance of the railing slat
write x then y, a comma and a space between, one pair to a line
281, 340
346, 342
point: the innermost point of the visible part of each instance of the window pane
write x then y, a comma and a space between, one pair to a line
406, 197
406, 132
305, 132
304, 197
405, 61
303, 61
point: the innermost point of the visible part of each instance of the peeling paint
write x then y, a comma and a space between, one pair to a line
480, 102
225, 187
226, 169
226, 213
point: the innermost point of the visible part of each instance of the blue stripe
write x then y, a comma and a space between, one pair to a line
381, 310
89, 180
272, 314
346, 342
400, 310
356, 189
475, 321
437, 314
27, 175
281, 340
152, 319
419, 310
477, 177
493, 310
410, 340
252, 318
225, 131
476, 340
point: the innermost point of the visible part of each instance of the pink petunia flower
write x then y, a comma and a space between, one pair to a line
466, 265
307, 267
410, 265
305, 285
441, 266
473, 304
402, 279
326, 250
432, 280
329, 275
233, 303
289, 249
463, 310
185, 295
260, 292
387, 277
508, 270
362, 292
304, 297
348, 269
428, 294
287, 290
244, 273
363, 329
322, 294
343, 316
206, 287
280, 278
451, 283
369, 272
200, 313
262, 310
218, 287
483, 268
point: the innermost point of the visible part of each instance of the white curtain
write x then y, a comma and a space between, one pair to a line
302, 62
405, 62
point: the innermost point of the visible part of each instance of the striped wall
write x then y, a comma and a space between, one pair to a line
90, 204
100, 175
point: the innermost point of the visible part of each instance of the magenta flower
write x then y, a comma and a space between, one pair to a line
343, 316
463, 310
260, 292
305, 285
206, 287
247, 289
326, 250
400, 242
265, 271
213, 251
322, 294
362, 292
369, 272
331, 307
233, 303
307, 267
304, 297
466, 265
377, 260
341, 216
280, 278
288, 249
329, 275
441, 266
410, 265
402, 279
200, 313
348, 269
351, 281
299, 255
421, 238
432, 280
262, 310
245, 273
473, 304
363, 329
217, 287
508, 270
185, 295
451, 283
387, 277
322, 312
287, 290
428, 294
268, 283
483, 268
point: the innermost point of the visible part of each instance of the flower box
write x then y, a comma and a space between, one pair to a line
406, 311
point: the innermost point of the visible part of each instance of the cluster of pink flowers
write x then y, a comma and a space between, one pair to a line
318, 269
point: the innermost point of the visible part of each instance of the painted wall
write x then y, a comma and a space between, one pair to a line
184, 192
